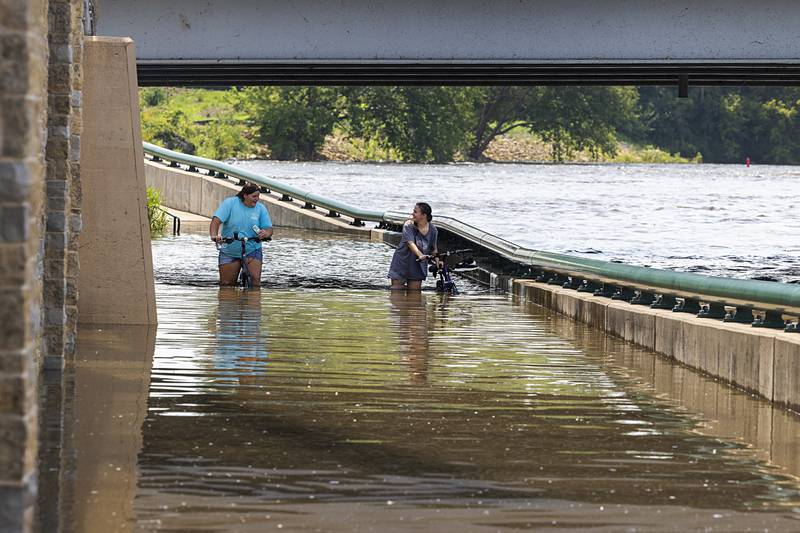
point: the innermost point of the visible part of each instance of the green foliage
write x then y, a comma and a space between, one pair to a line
726, 125
152, 97
195, 121
155, 211
442, 124
170, 128
224, 138
422, 124
292, 121
572, 119
651, 155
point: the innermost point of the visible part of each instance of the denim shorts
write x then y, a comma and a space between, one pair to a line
255, 254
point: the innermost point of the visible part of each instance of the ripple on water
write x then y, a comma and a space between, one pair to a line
293, 406
560, 207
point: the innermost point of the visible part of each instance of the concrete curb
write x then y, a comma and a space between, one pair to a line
765, 362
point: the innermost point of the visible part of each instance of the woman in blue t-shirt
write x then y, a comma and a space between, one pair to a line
410, 261
241, 214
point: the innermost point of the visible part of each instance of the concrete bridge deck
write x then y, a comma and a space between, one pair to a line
466, 42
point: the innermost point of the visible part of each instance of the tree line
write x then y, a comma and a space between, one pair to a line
443, 124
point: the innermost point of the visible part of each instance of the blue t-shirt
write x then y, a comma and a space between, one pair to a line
238, 218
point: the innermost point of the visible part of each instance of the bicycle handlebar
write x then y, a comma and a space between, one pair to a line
441, 255
452, 252
228, 240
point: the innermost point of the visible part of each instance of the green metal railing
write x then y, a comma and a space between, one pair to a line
358, 215
602, 277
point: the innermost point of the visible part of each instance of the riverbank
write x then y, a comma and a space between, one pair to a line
514, 147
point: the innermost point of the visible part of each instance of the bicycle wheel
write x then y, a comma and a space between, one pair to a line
450, 287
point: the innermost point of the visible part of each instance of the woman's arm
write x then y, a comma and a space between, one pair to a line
415, 250
408, 237
213, 229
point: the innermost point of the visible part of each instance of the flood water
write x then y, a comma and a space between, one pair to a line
325, 402
727, 220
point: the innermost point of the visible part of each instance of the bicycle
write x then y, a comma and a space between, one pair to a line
244, 279
445, 282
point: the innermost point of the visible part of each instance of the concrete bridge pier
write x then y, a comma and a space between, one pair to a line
116, 275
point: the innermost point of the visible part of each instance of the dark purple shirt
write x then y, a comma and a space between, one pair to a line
404, 262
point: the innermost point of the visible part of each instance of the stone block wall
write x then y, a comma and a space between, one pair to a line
40, 122
23, 111
63, 221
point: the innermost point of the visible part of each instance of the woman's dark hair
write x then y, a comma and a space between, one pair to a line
248, 188
425, 209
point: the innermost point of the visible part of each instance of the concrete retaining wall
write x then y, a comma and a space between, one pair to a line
762, 361
197, 193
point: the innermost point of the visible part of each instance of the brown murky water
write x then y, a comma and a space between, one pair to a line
358, 409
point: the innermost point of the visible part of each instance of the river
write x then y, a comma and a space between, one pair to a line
728, 220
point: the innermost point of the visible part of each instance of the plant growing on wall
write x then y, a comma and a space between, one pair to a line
155, 211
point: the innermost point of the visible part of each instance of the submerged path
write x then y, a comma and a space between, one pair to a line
312, 407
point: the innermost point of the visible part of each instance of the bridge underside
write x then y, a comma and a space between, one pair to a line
682, 75
459, 42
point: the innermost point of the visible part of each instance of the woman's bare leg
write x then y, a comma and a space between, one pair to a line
414, 285
398, 285
228, 273
254, 267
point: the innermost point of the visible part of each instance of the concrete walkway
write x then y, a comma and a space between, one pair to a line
187, 217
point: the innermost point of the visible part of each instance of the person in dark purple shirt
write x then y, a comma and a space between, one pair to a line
410, 261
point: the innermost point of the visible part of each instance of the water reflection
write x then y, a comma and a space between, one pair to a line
240, 344
104, 410
339, 410
413, 326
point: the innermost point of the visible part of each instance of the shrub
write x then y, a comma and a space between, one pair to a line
155, 212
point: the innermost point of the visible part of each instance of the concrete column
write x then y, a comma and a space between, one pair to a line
23, 111
116, 272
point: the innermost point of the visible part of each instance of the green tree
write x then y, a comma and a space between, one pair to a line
569, 118
422, 124
784, 115
725, 124
580, 118
292, 121
169, 127
496, 110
